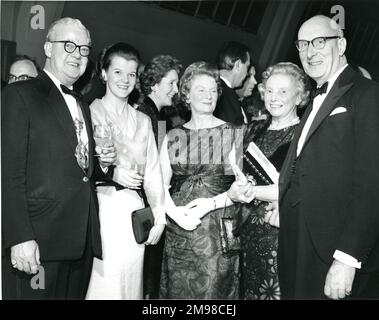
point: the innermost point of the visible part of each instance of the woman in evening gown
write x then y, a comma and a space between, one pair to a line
119, 275
284, 87
196, 162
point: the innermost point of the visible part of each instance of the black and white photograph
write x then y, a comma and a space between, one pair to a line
190, 155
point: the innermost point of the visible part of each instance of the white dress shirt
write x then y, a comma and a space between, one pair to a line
72, 106
317, 102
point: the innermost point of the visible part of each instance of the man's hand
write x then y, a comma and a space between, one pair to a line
339, 280
272, 214
25, 257
155, 234
128, 178
107, 154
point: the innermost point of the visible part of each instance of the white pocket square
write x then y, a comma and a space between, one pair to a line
338, 110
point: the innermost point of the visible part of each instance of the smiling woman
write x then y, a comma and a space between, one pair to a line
285, 87
195, 161
119, 274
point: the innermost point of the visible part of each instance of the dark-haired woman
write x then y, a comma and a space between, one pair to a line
119, 274
159, 83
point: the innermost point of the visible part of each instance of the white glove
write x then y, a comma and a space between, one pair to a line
181, 215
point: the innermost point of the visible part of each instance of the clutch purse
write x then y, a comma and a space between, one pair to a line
142, 222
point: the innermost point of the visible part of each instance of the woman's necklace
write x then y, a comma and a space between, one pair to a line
280, 126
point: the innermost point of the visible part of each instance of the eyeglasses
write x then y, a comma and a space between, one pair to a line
21, 77
70, 47
317, 43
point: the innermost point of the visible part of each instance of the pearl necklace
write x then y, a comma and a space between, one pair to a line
285, 125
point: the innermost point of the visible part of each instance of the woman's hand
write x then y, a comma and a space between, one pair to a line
201, 206
128, 178
182, 216
272, 214
107, 154
241, 192
155, 234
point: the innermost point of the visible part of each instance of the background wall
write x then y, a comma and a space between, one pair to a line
154, 30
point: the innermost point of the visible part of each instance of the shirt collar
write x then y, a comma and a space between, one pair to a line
226, 81
334, 77
55, 80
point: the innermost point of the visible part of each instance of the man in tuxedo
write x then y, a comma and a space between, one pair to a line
233, 62
49, 205
328, 189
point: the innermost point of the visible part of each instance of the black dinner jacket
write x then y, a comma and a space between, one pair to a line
46, 196
338, 170
228, 106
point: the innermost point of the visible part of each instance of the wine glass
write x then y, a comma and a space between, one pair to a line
102, 134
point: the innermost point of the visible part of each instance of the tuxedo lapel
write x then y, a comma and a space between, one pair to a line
340, 87
285, 172
57, 103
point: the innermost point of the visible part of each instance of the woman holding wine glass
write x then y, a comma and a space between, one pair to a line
120, 272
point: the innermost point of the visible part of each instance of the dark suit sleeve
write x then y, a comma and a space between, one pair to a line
361, 229
100, 175
228, 107
16, 223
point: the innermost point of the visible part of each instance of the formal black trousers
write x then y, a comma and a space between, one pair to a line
61, 279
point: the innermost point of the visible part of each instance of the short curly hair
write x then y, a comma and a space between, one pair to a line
157, 69
197, 69
290, 69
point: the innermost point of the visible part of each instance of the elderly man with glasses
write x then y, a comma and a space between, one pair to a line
49, 215
329, 221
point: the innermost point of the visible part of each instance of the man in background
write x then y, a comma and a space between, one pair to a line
233, 62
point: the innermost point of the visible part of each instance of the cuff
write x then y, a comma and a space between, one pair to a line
347, 259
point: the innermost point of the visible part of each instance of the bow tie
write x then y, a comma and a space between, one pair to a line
75, 94
320, 90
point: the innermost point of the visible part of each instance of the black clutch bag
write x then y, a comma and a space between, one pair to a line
142, 222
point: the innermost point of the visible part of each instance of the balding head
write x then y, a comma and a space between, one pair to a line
321, 64
22, 70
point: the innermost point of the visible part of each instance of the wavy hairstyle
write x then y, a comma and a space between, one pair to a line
157, 69
290, 69
197, 69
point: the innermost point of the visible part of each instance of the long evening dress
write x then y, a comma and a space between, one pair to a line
119, 275
259, 240
193, 265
